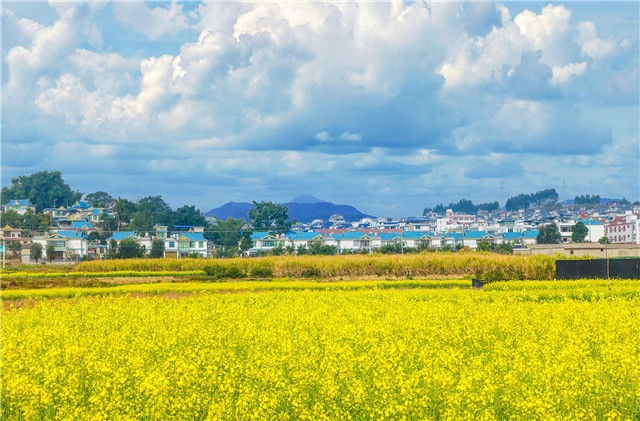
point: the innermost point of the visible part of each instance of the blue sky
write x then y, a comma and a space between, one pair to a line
390, 107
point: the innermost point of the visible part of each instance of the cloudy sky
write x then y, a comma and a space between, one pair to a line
387, 106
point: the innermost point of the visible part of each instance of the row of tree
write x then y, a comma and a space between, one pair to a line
463, 206
550, 234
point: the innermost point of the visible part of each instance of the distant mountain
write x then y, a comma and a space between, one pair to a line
301, 208
305, 198
235, 210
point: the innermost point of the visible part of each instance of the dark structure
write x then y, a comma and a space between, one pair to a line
598, 268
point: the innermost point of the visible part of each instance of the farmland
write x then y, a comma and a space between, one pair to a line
298, 349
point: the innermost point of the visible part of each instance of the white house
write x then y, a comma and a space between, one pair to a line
68, 245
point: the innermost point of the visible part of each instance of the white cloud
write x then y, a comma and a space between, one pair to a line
591, 44
154, 22
563, 74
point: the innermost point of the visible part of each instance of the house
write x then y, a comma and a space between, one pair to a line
84, 226
182, 244
265, 241
303, 239
56, 213
68, 245
471, 238
20, 206
97, 251
595, 227
623, 229
143, 240
96, 213
525, 238
416, 239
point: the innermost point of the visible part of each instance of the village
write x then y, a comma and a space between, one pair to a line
76, 233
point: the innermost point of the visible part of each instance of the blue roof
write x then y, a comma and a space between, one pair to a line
454, 235
512, 235
413, 235
81, 224
192, 236
474, 235
122, 235
304, 235
19, 202
258, 235
69, 234
81, 204
349, 235
590, 221
530, 234
98, 211
389, 235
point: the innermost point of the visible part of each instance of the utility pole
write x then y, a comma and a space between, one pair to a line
4, 252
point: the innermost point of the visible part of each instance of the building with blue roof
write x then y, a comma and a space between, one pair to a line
20, 206
69, 245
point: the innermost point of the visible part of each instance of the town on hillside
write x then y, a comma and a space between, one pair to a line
98, 226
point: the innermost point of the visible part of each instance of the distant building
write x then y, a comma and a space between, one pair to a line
623, 229
68, 245
20, 206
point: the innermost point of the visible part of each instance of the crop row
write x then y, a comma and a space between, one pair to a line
489, 266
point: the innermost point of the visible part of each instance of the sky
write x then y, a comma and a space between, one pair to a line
389, 107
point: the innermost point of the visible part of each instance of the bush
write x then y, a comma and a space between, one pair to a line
261, 271
310, 272
219, 271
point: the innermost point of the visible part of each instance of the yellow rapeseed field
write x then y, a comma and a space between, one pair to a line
520, 350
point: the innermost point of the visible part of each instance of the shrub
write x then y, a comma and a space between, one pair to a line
262, 271
219, 271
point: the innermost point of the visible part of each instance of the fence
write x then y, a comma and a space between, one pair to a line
598, 268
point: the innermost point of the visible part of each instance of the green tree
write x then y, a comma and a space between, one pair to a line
484, 245
112, 249
35, 252
129, 249
225, 234
188, 215
159, 211
579, 232
51, 252
549, 234
604, 240
123, 209
44, 189
271, 217
246, 243
12, 218
99, 199
15, 247
108, 222
157, 249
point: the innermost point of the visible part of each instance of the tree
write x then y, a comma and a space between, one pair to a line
271, 217
51, 252
526, 201
15, 247
112, 249
188, 215
587, 200
549, 234
604, 240
579, 232
157, 209
107, 222
129, 249
97, 237
35, 252
157, 249
12, 218
44, 189
246, 243
123, 209
484, 245
100, 199
225, 234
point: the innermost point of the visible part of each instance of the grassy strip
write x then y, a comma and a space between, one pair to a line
486, 265
118, 273
560, 285
190, 287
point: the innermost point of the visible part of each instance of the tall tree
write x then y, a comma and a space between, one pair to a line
271, 217
579, 232
51, 252
100, 199
225, 234
157, 249
35, 252
156, 209
123, 209
44, 189
188, 215
129, 249
549, 234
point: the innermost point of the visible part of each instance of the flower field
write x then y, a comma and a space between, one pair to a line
523, 350
399, 266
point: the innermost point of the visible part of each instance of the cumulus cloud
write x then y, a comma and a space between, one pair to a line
323, 91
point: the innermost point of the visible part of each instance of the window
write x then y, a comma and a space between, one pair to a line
268, 243
192, 244
200, 244
171, 244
